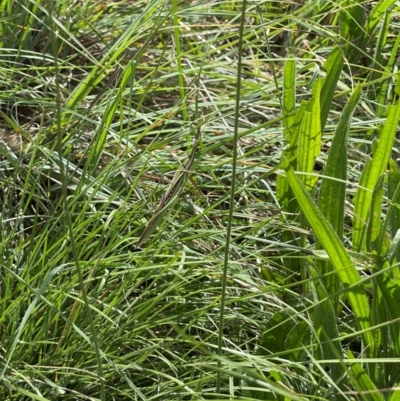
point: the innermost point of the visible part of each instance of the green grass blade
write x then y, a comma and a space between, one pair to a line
28, 314
177, 44
393, 193
390, 290
374, 168
375, 217
378, 58
384, 91
324, 323
230, 223
395, 394
333, 67
376, 14
108, 61
32, 396
289, 98
108, 118
338, 257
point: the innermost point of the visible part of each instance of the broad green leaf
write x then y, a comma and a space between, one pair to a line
283, 333
333, 185
276, 329
374, 168
333, 189
333, 67
378, 315
283, 192
298, 338
339, 258
310, 137
362, 382
352, 20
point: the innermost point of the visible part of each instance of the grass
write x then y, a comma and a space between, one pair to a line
199, 200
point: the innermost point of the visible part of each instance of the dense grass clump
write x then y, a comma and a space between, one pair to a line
199, 200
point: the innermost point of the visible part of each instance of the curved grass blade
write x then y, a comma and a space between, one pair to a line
338, 256
374, 168
333, 185
384, 91
107, 62
377, 68
333, 67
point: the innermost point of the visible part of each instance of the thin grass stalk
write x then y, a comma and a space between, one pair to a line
64, 186
232, 192
177, 40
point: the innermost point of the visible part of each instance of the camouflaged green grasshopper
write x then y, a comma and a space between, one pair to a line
179, 180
